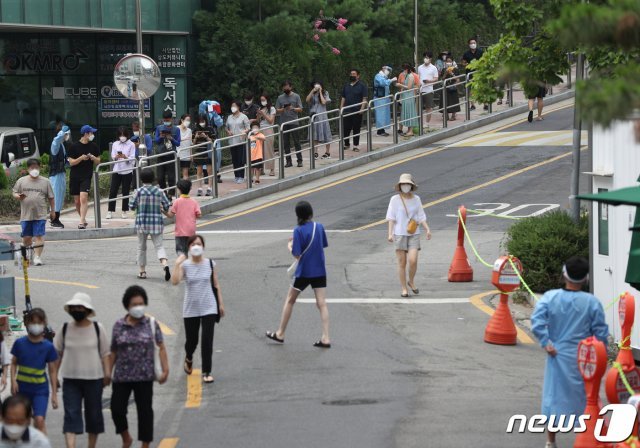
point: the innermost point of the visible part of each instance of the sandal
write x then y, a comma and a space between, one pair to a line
321, 344
272, 335
82, 226
207, 378
142, 275
167, 273
414, 289
404, 294
188, 366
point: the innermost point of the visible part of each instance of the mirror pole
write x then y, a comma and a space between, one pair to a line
139, 50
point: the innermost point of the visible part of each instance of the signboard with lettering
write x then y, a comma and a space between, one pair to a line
22, 56
171, 54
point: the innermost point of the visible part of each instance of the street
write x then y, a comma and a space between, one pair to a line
399, 374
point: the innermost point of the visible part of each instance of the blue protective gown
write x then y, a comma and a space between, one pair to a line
383, 108
564, 318
58, 181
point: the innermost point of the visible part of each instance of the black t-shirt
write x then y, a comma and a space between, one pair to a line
353, 95
470, 56
83, 169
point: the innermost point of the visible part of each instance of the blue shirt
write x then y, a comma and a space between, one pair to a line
311, 264
32, 363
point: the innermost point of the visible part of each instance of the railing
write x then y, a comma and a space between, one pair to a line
217, 150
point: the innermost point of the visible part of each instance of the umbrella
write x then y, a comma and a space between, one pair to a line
625, 196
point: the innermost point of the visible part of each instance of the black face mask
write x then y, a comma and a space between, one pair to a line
78, 315
353, 78
287, 91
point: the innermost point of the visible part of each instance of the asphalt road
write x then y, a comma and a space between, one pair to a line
399, 375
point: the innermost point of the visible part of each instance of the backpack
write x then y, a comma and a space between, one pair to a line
212, 110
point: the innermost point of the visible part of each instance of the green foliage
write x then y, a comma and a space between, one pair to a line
543, 243
9, 207
4, 180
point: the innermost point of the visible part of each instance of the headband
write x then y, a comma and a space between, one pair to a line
565, 274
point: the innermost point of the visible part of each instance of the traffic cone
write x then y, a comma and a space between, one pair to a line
500, 329
460, 269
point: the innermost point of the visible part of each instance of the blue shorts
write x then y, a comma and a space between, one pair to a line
33, 228
39, 401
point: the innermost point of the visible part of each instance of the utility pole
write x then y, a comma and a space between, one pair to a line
415, 36
577, 131
139, 50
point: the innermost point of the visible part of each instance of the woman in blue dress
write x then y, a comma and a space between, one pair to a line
409, 114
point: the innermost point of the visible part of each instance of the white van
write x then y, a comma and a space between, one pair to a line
16, 146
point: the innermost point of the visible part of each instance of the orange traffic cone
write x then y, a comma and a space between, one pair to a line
501, 330
460, 269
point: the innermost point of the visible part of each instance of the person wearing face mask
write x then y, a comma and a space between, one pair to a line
405, 216
451, 87
288, 106
167, 140
267, 116
83, 156
136, 138
84, 364
470, 55
407, 82
353, 104
15, 429
318, 98
186, 142
428, 74
238, 126
205, 133
381, 83
256, 143
133, 342
36, 197
123, 152
249, 108
58, 169
32, 355
201, 306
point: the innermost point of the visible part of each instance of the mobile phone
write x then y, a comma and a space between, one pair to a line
120, 152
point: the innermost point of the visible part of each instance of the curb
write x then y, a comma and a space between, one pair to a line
247, 195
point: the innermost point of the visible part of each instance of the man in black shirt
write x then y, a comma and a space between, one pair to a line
83, 156
354, 99
250, 109
470, 55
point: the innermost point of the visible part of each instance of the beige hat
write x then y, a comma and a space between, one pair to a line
81, 299
406, 178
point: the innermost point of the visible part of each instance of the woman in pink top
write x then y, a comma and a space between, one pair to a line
123, 151
186, 210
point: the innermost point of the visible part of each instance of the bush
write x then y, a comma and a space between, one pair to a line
4, 180
9, 208
543, 243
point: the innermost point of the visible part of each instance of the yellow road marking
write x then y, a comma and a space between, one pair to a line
166, 330
477, 301
169, 443
60, 282
194, 390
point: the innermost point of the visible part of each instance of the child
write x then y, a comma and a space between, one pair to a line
31, 354
186, 210
257, 139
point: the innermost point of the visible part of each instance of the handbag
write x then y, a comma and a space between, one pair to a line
215, 293
412, 225
157, 365
291, 272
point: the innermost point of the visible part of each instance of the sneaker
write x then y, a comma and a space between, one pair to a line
199, 191
299, 163
530, 116
472, 108
57, 224
385, 134
109, 215
124, 215
37, 261
326, 156
499, 102
550, 445
208, 192
356, 149
288, 165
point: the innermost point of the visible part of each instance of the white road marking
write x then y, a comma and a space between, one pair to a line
522, 138
400, 301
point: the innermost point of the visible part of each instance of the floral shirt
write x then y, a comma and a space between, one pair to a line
133, 347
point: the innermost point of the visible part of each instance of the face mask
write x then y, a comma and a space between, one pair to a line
136, 133
166, 123
386, 72
14, 432
264, 103
35, 329
67, 137
449, 64
78, 315
472, 46
202, 124
255, 130
123, 139
186, 123
427, 60
405, 188
91, 137
137, 312
444, 58
34, 173
248, 102
234, 109
196, 250
353, 78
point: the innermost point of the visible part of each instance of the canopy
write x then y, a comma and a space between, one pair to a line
623, 196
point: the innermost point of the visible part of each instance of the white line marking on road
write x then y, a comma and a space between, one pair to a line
380, 301
214, 232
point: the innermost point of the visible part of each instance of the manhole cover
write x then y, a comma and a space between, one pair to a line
352, 402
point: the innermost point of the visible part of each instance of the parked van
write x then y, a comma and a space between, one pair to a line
16, 146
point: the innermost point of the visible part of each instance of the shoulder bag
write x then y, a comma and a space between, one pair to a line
291, 272
412, 225
157, 365
215, 292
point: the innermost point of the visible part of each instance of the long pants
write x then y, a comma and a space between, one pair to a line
118, 180
287, 142
239, 159
143, 394
352, 123
142, 247
192, 328
59, 187
166, 171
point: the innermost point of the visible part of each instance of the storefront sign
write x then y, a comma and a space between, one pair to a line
172, 57
170, 95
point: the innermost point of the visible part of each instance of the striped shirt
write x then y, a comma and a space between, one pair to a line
32, 359
149, 201
198, 293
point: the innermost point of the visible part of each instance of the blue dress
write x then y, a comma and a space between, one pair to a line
564, 318
59, 180
409, 114
383, 108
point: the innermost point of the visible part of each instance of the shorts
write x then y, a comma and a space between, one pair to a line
185, 164
301, 283
39, 400
257, 164
33, 228
406, 242
181, 245
74, 392
79, 185
427, 100
542, 92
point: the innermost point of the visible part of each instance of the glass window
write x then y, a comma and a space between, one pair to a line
19, 101
10, 145
71, 99
603, 226
27, 144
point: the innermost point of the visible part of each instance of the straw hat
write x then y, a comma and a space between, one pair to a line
81, 299
406, 178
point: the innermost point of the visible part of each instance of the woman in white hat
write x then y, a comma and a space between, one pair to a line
406, 215
83, 349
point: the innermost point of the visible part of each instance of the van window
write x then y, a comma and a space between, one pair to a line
27, 144
10, 144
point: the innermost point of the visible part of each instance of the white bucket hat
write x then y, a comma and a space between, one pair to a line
81, 299
406, 178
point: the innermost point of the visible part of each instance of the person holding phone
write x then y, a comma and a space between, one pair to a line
83, 156
318, 99
288, 106
123, 152
202, 155
428, 74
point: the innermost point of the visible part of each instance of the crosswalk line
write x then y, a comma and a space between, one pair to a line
522, 138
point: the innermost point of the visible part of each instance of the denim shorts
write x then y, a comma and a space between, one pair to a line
33, 228
73, 393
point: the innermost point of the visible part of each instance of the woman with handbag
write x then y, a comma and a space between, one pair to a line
202, 303
137, 348
307, 247
405, 215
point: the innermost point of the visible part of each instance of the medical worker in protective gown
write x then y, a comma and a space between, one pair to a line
561, 319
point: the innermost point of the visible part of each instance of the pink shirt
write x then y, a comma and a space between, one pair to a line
186, 210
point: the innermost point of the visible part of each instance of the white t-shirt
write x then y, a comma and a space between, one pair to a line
81, 359
185, 142
5, 356
396, 212
430, 73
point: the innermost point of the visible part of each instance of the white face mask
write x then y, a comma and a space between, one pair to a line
264, 103
67, 137
14, 432
186, 123
449, 64
137, 312
386, 72
34, 172
196, 250
472, 46
202, 124
35, 329
234, 109
427, 60
123, 138
255, 130
91, 137
405, 188
248, 102
136, 133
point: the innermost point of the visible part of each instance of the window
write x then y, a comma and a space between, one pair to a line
10, 144
603, 226
27, 144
